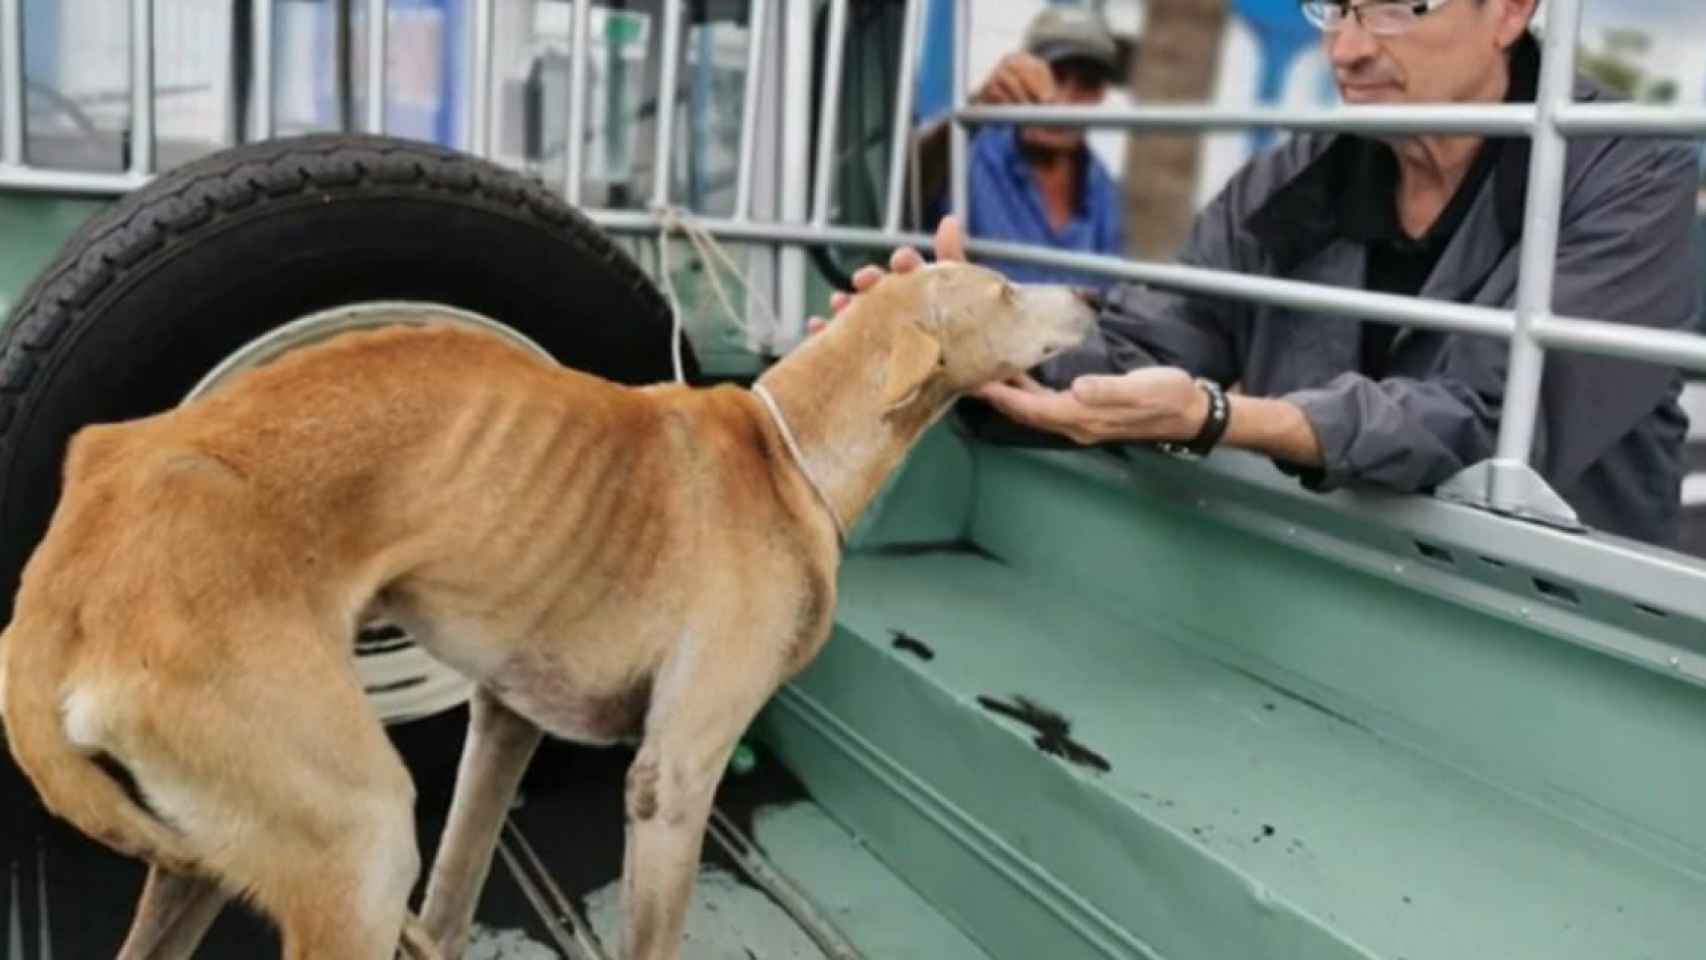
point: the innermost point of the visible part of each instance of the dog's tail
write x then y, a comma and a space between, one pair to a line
84, 784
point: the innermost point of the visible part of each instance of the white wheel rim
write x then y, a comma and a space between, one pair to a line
403, 682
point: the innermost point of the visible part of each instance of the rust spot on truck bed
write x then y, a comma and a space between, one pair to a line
1054, 731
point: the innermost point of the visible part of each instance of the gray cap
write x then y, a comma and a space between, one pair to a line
1073, 33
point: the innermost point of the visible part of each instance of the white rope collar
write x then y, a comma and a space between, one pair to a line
763, 393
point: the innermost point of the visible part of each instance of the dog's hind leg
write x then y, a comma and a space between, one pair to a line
341, 856
289, 788
174, 913
500, 743
338, 866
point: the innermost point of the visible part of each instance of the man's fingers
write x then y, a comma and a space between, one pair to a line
867, 277
1003, 84
1000, 392
1026, 382
999, 90
1033, 404
1011, 401
950, 240
870, 275
990, 90
1035, 78
1022, 77
1094, 390
815, 325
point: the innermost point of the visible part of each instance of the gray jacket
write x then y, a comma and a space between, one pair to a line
1610, 433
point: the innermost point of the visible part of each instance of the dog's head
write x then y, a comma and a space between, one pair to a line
959, 326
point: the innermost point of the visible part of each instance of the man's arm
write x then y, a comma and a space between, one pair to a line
1404, 433
1624, 255
1277, 428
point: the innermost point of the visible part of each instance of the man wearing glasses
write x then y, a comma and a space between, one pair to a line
1332, 399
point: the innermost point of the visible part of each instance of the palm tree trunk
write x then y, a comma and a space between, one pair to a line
1178, 60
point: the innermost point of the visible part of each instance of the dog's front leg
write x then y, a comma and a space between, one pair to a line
499, 745
668, 801
173, 914
691, 729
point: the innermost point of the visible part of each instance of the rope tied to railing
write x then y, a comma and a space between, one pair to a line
714, 255
716, 258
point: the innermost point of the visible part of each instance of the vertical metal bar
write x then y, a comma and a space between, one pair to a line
899, 149
11, 82
343, 62
757, 21
142, 86
699, 117
829, 112
957, 156
764, 179
662, 158
615, 131
795, 160
1543, 209
576, 134
376, 29
479, 135
262, 114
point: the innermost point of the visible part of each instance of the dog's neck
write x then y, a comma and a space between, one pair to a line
828, 392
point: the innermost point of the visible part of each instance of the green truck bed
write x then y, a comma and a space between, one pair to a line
1281, 755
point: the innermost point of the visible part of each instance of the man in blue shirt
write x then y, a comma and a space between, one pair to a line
1043, 185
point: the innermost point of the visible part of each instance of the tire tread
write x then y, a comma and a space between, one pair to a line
186, 202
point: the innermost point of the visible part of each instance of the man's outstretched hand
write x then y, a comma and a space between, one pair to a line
1151, 403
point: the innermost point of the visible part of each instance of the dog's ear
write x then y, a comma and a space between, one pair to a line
913, 357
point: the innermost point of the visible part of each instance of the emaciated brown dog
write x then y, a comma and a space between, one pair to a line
606, 563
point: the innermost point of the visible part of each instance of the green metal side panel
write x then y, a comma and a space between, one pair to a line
1604, 742
1307, 760
32, 228
867, 903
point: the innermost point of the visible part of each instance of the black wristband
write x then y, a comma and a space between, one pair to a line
1213, 425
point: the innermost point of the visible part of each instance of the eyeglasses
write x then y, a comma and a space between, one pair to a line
1384, 18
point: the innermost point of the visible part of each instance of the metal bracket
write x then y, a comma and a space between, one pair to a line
1510, 489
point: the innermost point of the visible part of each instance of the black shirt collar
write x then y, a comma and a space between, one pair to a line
1367, 212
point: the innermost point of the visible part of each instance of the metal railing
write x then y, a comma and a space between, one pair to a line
1531, 327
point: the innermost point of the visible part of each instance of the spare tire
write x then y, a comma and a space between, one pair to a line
154, 292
